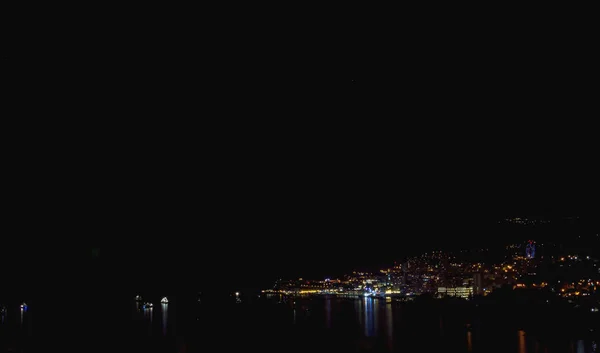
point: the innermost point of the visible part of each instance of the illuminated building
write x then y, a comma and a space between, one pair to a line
530, 250
461, 292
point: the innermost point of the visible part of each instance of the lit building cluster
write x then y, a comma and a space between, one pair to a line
525, 221
442, 274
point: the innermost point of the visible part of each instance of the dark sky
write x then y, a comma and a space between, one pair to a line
252, 154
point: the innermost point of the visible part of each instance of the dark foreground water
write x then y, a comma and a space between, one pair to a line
15, 329
333, 325
298, 325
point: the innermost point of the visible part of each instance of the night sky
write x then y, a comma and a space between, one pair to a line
237, 160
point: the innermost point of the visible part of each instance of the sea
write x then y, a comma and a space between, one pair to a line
272, 323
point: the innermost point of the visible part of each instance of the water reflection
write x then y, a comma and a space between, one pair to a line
165, 314
358, 307
375, 321
148, 313
327, 312
294, 315
580, 346
469, 341
376, 303
389, 325
368, 317
522, 345
375, 318
21, 317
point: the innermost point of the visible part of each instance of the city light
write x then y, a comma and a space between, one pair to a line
446, 274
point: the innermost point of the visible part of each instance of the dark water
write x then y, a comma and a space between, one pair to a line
315, 325
15, 329
329, 325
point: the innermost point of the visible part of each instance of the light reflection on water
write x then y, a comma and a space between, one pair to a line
327, 312
582, 346
376, 305
369, 317
387, 327
358, 309
377, 319
164, 311
469, 341
15, 328
371, 314
522, 344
